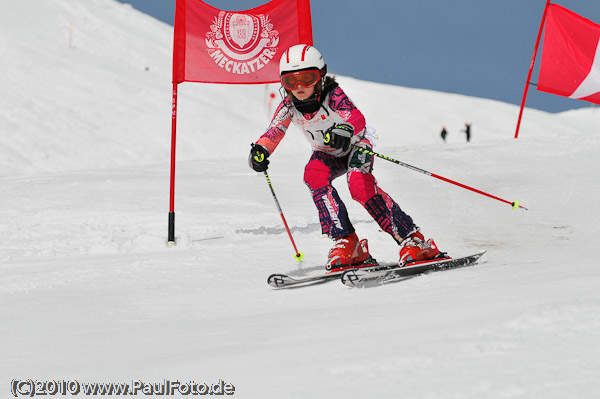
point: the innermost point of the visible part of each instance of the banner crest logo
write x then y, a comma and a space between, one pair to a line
241, 43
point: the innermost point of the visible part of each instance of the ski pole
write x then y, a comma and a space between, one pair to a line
514, 204
299, 255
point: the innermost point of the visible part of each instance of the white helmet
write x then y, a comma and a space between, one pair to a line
299, 57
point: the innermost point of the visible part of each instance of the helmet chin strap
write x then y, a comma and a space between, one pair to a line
282, 92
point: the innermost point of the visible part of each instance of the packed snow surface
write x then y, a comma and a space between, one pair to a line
90, 292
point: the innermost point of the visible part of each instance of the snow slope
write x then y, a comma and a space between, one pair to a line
90, 292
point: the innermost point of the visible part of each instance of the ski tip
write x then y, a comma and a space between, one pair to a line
277, 280
479, 254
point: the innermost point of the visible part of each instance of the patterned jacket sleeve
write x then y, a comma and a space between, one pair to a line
279, 125
341, 103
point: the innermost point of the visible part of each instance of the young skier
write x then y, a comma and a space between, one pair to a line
335, 128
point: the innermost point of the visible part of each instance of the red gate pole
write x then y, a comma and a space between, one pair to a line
171, 238
537, 44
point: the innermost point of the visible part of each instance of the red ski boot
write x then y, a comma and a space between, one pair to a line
415, 248
347, 251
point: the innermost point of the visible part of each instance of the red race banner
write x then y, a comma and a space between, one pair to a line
216, 46
570, 64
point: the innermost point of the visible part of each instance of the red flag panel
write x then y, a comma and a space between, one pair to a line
217, 46
570, 64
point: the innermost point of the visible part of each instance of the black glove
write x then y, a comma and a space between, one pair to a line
339, 136
362, 160
258, 158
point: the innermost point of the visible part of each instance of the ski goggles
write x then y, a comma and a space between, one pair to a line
306, 78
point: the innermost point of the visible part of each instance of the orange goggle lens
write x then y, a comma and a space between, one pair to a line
305, 78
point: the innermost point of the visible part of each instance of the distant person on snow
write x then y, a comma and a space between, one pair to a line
335, 129
467, 131
444, 133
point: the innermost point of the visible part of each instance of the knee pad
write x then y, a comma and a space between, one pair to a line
362, 186
316, 175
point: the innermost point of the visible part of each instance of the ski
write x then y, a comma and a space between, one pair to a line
372, 276
284, 281
278, 280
